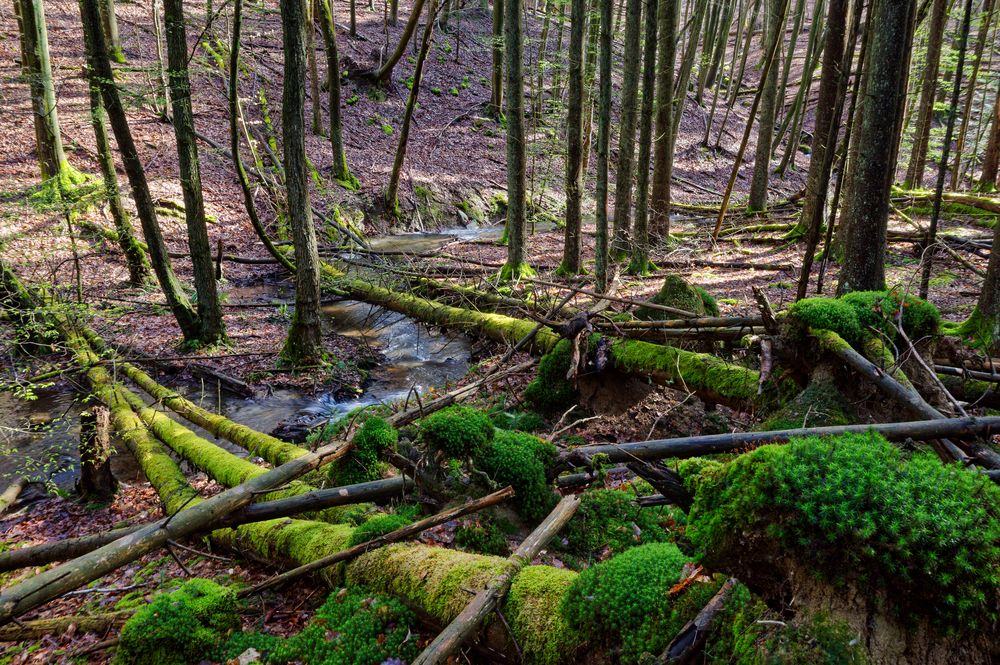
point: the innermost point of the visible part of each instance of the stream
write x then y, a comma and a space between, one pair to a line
40, 437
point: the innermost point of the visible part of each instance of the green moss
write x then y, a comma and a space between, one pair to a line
483, 536
879, 310
532, 609
610, 518
821, 404
458, 431
551, 391
509, 273
852, 506
521, 460
625, 599
352, 627
817, 639
362, 464
179, 627
524, 421
676, 292
378, 525
827, 314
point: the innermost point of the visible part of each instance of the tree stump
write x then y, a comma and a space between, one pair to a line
96, 481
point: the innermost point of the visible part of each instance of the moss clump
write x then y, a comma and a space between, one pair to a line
926, 533
523, 421
828, 314
378, 525
521, 460
362, 464
880, 309
626, 599
352, 627
179, 627
551, 391
532, 608
821, 404
677, 293
610, 518
458, 431
817, 639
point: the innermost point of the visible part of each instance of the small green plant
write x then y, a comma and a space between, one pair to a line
454, 92
523, 421
362, 463
376, 94
458, 431
551, 391
465, 82
436, 91
352, 100
482, 536
387, 129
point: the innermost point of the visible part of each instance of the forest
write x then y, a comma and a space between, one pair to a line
385, 332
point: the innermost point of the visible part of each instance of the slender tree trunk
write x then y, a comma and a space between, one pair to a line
659, 200
824, 136
392, 193
110, 22
304, 345
603, 145
516, 266
353, 29
629, 114
640, 265
51, 157
209, 309
384, 73
928, 92
983, 326
589, 72
574, 141
317, 108
990, 177
341, 172
985, 24
866, 207
135, 257
394, 13
162, 100
768, 106
683, 79
557, 74
496, 70
98, 62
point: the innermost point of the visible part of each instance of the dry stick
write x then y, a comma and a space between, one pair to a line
68, 548
52, 583
399, 534
486, 601
967, 373
690, 639
10, 494
746, 132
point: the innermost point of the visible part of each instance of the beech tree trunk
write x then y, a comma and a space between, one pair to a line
866, 206
38, 69
304, 345
212, 329
110, 22
990, 177
341, 172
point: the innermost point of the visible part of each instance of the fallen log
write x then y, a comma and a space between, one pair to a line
716, 444
402, 533
691, 638
967, 373
467, 623
68, 548
10, 494
87, 623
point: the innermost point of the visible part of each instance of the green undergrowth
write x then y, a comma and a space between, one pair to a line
179, 627
854, 509
362, 463
376, 526
485, 534
524, 421
457, 431
352, 627
679, 294
522, 461
611, 519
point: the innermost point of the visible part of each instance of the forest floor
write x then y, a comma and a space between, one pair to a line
454, 156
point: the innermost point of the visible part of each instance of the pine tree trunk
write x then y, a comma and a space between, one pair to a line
341, 172
629, 115
496, 69
765, 118
48, 140
516, 266
866, 206
603, 145
574, 141
928, 92
640, 265
98, 62
659, 200
209, 309
304, 345
824, 136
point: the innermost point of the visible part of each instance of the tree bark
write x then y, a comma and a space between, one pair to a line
626, 140
110, 22
768, 106
496, 69
928, 92
603, 146
990, 178
341, 172
304, 345
639, 263
212, 329
48, 140
574, 141
659, 199
383, 74
96, 481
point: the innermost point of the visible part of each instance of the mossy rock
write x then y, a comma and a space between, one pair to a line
457, 431
879, 310
179, 627
679, 294
611, 519
853, 509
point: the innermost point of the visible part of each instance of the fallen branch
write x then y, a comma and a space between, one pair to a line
36, 628
690, 639
10, 494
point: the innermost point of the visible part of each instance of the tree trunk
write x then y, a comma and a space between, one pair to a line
212, 329
574, 141
983, 326
659, 200
640, 264
304, 345
496, 70
985, 23
51, 157
110, 22
516, 267
96, 482
384, 73
928, 92
341, 172
626, 140
392, 193
317, 109
990, 177
98, 62
824, 136
768, 106
603, 145
866, 206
